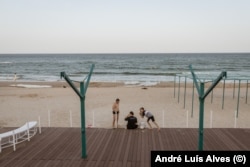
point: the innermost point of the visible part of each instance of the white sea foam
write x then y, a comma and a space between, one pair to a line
30, 86
5, 62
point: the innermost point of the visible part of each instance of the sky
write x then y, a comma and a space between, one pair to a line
124, 26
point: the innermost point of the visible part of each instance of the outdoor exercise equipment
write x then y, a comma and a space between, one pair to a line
199, 83
202, 95
81, 94
211, 79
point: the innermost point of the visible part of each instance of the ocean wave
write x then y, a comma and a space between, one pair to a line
127, 68
8, 77
124, 73
146, 73
6, 62
31, 86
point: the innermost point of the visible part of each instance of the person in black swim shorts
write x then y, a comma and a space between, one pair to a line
115, 109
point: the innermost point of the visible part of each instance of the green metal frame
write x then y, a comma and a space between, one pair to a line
185, 88
246, 91
238, 101
202, 95
223, 95
192, 112
81, 94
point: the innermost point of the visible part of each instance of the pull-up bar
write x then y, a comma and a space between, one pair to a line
202, 95
210, 79
81, 94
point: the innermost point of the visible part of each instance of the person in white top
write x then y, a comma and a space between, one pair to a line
150, 116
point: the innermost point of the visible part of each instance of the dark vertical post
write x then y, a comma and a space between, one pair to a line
223, 94
246, 91
185, 92
212, 94
234, 89
174, 84
238, 100
192, 101
201, 120
179, 89
83, 129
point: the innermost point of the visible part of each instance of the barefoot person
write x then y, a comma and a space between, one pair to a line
150, 116
115, 109
132, 121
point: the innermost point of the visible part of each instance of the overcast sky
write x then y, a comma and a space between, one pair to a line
124, 26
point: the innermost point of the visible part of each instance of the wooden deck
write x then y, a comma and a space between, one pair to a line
115, 147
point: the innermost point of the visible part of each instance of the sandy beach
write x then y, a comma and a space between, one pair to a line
55, 104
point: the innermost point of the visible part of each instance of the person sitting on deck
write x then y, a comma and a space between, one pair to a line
132, 121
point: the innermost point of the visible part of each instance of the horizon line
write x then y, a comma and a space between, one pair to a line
134, 53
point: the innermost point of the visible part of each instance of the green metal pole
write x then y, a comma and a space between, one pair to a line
88, 79
179, 89
185, 92
223, 95
234, 89
81, 94
63, 74
238, 100
83, 129
212, 95
192, 101
247, 92
201, 122
174, 84
202, 97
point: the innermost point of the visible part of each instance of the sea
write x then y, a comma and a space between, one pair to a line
131, 69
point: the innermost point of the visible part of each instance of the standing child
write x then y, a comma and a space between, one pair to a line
150, 116
115, 111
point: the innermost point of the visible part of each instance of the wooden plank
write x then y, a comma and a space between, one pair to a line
165, 138
38, 163
171, 140
91, 163
160, 137
139, 146
64, 141
50, 145
193, 138
239, 137
146, 147
126, 151
120, 150
119, 147
94, 153
135, 146
112, 147
211, 141
105, 148
143, 145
